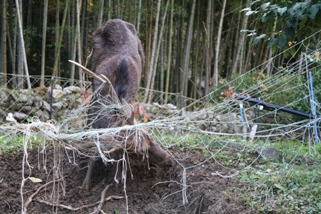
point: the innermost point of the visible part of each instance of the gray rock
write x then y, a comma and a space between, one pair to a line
234, 146
228, 123
72, 89
26, 109
204, 114
22, 98
37, 102
4, 99
268, 153
20, 116
45, 106
3, 115
13, 96
57, 106
42, 115
170, 106
58, 87
56, 93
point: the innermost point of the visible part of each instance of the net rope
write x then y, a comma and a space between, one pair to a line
203, 125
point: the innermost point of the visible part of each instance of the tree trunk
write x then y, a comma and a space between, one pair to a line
100, 13
24, 58
4, 42
148, 36
150, 73
138, 15
207, 48
217, 48
78, 39
13, 47
269, 66
84, 30
55, 69
19, 56
118, 8
237, 64
169, 55
44, 35
73, 42
57, 29
157, 53
109, 10
187, 50
194, 93
29, 20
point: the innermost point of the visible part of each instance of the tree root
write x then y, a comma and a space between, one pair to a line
29, 200
81, 207
102, 199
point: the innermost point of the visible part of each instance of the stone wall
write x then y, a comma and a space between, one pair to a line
69, 105
26, 104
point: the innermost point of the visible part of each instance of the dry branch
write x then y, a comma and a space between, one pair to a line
87, 71
77, 208
102, 199
29, 200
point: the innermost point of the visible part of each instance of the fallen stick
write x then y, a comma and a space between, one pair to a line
77, 208
29, 200
102, 200
87, 71
101, 78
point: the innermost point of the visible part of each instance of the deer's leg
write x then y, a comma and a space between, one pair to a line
88, 179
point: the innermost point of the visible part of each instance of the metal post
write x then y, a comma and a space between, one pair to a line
313, 108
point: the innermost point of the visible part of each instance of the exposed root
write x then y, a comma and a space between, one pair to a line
102, 199
29, 200
78, 208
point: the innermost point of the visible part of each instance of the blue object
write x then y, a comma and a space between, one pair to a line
241, 113
313, 109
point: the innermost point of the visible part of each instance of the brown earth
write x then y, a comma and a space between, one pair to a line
154, 190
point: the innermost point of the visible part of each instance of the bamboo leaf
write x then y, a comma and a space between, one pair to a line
258, 38
271, 42
289, 32
264, 6
282, 41
267, 16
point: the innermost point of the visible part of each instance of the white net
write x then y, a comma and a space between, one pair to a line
238, 114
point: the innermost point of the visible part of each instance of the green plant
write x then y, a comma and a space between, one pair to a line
15, 143
288, 187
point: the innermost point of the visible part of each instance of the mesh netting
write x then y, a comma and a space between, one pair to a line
225, 117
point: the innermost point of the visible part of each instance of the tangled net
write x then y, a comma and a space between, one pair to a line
211, 121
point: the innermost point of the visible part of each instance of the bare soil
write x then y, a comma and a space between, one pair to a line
150, 189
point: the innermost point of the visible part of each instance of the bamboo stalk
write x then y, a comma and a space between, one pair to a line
23, 45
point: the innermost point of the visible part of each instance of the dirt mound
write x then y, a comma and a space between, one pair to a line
149, 190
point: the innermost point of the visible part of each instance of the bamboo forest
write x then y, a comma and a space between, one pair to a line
189, 45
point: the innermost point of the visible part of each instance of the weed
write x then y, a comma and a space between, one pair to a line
287, 187
15, 143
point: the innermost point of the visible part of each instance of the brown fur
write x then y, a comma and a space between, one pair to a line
118, 54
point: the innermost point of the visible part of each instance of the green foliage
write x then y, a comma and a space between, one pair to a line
287, 187
10, 144
294, 21
287, 88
